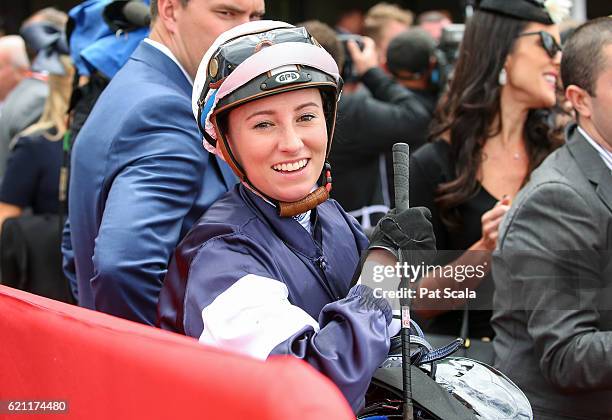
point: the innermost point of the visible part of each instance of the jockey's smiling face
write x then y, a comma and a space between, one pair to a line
280, 141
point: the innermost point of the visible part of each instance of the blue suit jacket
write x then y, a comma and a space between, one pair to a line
140, 178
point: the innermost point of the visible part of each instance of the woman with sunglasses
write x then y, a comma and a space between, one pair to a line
491, 130
267, 270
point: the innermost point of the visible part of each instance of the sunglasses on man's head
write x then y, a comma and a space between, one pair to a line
547, 41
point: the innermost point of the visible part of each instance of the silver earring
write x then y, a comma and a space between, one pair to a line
503, 77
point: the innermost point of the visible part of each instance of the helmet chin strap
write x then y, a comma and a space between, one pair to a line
312, 200
309, 202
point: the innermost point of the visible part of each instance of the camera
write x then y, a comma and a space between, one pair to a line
348, 71
447, 54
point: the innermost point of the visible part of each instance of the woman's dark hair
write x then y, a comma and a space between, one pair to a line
469, 111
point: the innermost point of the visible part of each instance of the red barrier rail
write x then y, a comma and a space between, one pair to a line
104, 367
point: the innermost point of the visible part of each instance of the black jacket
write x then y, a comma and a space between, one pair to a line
370, 121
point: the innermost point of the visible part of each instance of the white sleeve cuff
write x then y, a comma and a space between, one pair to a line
252, 317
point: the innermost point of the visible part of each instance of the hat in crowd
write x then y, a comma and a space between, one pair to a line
410, 51
49, 42
547, 12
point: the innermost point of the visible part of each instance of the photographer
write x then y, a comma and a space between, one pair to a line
372, 116
411, 60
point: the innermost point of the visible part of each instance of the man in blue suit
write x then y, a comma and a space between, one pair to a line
140, 176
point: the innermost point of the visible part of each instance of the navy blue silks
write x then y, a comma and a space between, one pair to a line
242, 235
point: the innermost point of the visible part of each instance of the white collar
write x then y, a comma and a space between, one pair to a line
164, 49
606, 155
304, 220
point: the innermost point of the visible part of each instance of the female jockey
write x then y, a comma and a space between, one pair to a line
267, 270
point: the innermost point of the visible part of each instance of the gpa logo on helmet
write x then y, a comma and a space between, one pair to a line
287, 77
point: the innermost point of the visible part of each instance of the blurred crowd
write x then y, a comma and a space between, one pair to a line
508, 121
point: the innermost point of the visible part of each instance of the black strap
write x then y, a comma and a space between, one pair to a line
464, 332
359, 267
426, 393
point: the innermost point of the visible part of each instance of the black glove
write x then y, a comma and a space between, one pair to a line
409, 232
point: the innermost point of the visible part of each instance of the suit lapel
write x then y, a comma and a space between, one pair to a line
592, 165
153, 57
604, 191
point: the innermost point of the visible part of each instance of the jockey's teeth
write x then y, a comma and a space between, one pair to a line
290, 167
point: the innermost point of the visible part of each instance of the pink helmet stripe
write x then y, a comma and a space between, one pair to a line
269, 58
275, 56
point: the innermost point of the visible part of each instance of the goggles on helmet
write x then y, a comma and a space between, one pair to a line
231, 54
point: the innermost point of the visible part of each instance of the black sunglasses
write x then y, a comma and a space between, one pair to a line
547, 41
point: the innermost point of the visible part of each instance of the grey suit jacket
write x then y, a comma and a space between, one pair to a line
553, 286
22, 108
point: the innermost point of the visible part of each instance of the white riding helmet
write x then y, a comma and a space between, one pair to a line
256, 60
